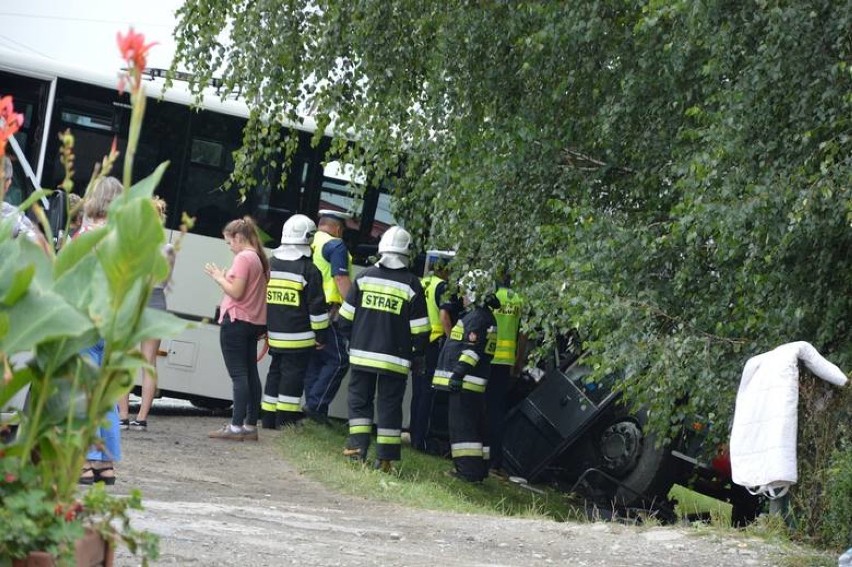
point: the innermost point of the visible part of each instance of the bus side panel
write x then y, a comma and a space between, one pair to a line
193, 365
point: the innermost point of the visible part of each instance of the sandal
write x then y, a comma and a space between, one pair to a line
87, 476
108, 478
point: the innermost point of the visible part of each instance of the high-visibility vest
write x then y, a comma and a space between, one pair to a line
329, 286
508, 318
430, 288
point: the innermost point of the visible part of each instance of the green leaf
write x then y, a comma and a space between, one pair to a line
39, 317
20, 284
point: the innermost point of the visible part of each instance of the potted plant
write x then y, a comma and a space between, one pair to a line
52, 306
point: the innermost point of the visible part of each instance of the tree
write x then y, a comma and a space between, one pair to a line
672, 179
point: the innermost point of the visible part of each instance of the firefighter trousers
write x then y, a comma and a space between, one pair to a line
285, 383
467, 429
387, 390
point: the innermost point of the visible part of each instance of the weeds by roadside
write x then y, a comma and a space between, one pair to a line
419, 480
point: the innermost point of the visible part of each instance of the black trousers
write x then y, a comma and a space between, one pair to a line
238, 340
467, 430
387, 390
422, 395
285, 384
495, 408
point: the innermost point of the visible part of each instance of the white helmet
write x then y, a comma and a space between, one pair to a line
298, 229
476, 284
395, 240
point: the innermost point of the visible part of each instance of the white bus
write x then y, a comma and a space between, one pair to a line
54, 97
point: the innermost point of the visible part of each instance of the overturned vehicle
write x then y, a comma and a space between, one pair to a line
580, 437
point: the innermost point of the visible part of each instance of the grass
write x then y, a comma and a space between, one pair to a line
419, 480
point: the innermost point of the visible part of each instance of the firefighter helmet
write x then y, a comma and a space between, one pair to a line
395, 240
298, 229
477, 285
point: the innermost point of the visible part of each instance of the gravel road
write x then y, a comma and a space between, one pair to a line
223, 503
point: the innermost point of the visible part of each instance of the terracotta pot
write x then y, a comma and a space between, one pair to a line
91, 550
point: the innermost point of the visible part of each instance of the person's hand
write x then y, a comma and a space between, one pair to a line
456, 381
214, 271
320, 346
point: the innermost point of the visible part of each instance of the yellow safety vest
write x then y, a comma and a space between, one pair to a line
430, 288
508, 323
329, 286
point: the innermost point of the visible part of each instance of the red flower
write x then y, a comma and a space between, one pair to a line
10, 477
135, 52
133, 49
10, 121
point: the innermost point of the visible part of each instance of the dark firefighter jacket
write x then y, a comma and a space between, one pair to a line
296, 312
385, 316
468, 351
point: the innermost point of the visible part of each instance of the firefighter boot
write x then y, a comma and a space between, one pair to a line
267, 419
354, 454
383, 465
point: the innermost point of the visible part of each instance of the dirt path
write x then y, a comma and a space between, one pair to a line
223, 503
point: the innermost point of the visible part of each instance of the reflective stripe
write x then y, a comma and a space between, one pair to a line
466, 450
360, 425
474, 384
486, 453
291, 407
268, 403
319, 322
441, 378
379, 360
288, 276
471, 353
420, 325
469, 357
289, 399
347, 311
407, 290
388, 436
292, 340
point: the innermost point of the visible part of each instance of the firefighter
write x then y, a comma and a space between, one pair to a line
297, 322
505, 366
464, 366
328, 365
385, 315
441, 322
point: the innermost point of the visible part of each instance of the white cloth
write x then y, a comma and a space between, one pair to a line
393, 261
763, 436
292, 251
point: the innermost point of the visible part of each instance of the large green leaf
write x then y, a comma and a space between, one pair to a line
39, 317
157, 324
21, 378
20, 284
77, 250
131, 250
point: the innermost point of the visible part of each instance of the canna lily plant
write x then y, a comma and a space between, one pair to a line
52, 306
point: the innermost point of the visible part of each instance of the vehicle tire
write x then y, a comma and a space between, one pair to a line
211, 404
650, 480
631, 455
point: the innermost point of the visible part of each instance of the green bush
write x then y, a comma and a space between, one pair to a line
821, 502
836, 528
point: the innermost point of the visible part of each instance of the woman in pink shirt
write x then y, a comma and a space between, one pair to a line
242, 319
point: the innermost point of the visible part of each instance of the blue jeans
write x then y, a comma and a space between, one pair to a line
325, 372
109, 434
238, 340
